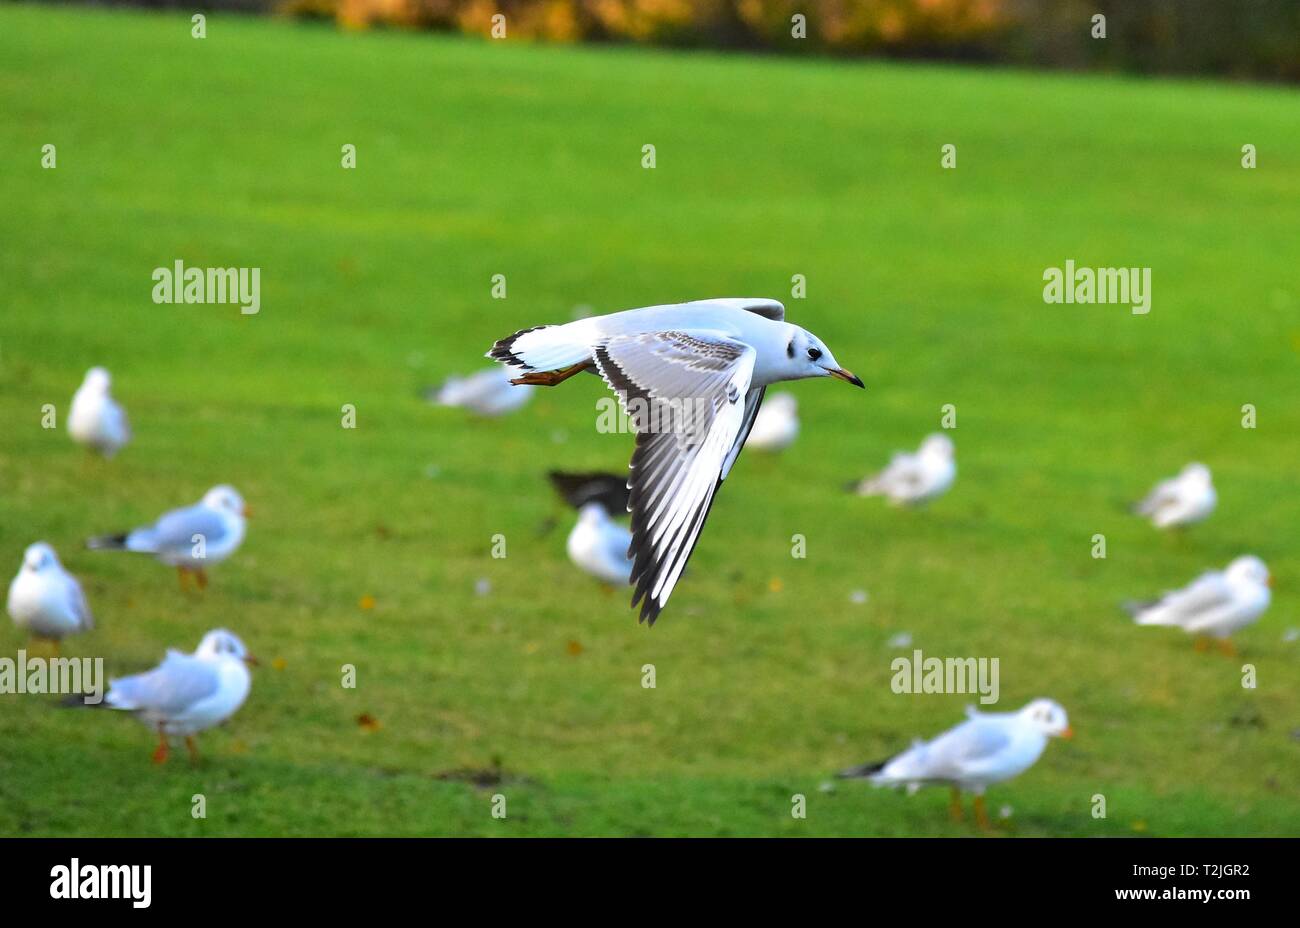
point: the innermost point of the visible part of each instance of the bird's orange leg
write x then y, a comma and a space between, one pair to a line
192, 748
955, 811
201, 576
1227, 647
981, 814
160, 752
551, 378
1202, 643
182, 575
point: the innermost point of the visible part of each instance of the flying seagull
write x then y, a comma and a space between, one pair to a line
187, 693
485, 393
1182, 500
188, 539
691, 378
96, 420
46, 600
985, 749
1215, 604
912, 479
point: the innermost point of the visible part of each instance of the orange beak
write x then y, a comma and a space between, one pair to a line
1068, 733
847, 376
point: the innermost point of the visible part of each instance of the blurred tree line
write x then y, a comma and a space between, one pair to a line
1235, 38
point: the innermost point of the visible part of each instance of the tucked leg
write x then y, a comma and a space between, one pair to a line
182, 576
551, 378
981, 814
1202, 643
201, 576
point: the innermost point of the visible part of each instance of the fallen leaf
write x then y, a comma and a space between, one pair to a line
279, 663
775, 585
367, 602
574, 648
368, 722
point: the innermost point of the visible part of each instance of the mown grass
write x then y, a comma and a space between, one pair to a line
478, 158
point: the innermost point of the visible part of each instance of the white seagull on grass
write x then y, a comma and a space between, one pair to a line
1214, 605
188, 539
187, 693
777, 424
598, 544
691, 377
46, 600
96, 420
485, 393
912, 479
1182, 500
985, 749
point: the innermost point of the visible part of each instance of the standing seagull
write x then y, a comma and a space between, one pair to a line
597, 544
485, 393
187, 693
96, 420
45, 599
189, 539
1182, 500
912, 479
1215, 604
985, 749
777, 424
691, 377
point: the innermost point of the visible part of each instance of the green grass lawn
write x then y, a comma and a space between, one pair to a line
478, 158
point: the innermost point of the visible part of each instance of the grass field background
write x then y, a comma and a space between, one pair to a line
477, 158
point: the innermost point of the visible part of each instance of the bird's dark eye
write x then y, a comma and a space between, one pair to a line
814, 353
789, 349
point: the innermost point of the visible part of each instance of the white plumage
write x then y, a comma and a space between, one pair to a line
44, 599
96, 420
1182, 500
484, 393
1215, 604
777, 424
187, 693
691, 377
599, 545
915, 478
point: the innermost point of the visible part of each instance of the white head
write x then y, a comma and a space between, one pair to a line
1249, 569
593, 513
38, 557
222, 643
937, 445
1048, 717
806, 355
1197, 472
225, 498
97, 379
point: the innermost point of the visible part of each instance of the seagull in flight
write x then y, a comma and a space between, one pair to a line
987, 748
691, 378
1182, 500
188, 539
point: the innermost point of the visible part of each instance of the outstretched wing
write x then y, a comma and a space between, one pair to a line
683, 392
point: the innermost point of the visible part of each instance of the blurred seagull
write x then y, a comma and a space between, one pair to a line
911, 479
1182, 500
46, 600
691, 377
96, 420
777, 424
1214, 605
486, 393
187, 693
597, 544
985, 749
189, 539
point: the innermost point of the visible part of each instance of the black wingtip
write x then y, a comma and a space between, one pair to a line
861, 772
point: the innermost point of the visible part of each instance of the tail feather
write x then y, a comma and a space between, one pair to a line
108, 542
541, 348
862, 772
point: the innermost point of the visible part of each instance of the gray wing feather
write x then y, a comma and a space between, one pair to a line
170, 688
177, 528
